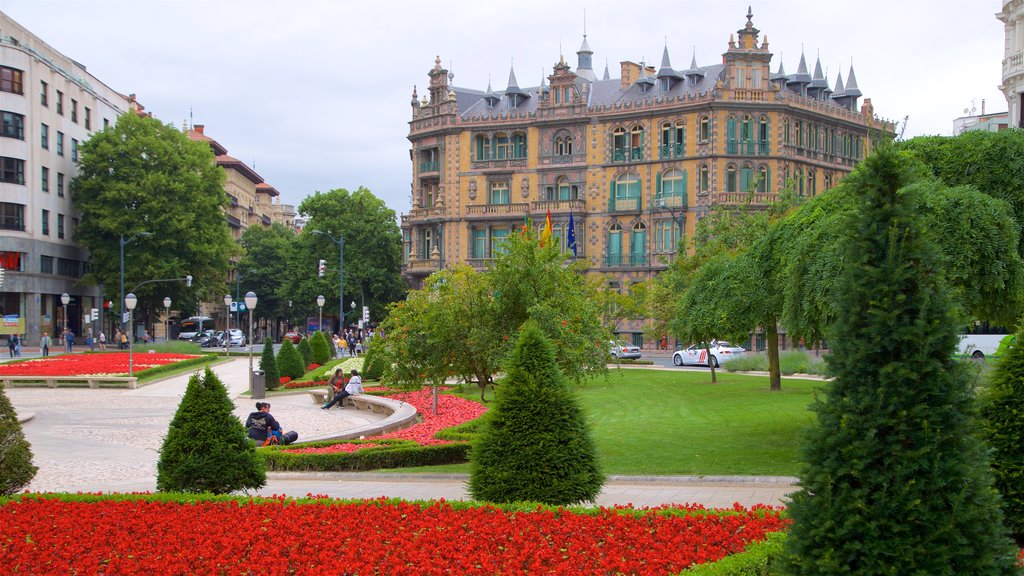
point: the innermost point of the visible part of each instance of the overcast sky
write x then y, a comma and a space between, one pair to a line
315, 93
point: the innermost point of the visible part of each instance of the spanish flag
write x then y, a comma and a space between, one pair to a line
545, 236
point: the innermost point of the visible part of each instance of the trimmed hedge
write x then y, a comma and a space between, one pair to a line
756, 560
394, 453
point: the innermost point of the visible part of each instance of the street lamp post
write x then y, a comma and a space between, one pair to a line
129, 302
678, 219
320, 304
340, 241
123, 241
227, 329
167, 317
250, 303
64, 299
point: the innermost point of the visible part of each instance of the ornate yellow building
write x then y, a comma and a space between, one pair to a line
634, 162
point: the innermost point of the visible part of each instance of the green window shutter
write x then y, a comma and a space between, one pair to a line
768, 179
658, 191
611, 196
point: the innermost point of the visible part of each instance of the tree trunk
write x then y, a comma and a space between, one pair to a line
482, 380
774, 371
711, 365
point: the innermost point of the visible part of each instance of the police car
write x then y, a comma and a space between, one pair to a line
697, 354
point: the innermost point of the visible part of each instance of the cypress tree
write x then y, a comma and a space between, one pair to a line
896, 480
535, 444
207, 449
1003, 427
16, 469
306, 352
321, 348
289, 362
269, 366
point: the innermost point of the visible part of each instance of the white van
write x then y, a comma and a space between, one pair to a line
194, 325
981, 346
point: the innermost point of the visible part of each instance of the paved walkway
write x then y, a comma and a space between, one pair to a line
107, 440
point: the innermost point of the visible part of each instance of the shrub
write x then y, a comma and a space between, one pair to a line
269, 366
16, 469
373, 363
289, 362
756, 560
1003, 427
207, 449
535, 444
790, 362
896, 480
391, 453
321, 348
306, 351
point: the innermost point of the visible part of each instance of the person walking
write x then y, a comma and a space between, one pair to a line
103, 341
12, 344
69, 340
44, 345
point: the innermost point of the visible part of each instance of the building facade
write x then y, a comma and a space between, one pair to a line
50, 104
633, 162
1012, 17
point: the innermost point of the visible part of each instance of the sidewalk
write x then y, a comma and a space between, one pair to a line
108, 440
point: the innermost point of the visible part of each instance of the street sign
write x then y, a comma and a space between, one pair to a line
366, 313
94, 313
234, 306
125, 317
241, 306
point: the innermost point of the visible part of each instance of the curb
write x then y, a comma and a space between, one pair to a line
458, 477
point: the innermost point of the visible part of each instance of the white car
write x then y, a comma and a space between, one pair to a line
237, 337
698, 355
621, 349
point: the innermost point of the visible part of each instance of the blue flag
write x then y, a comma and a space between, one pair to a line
570, 236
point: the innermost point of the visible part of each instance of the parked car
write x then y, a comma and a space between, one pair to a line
237, 337
203, 337
293, 336
622, 349
212, 341
697, 354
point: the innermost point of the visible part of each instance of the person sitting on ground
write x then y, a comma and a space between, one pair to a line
261, 424
354, 386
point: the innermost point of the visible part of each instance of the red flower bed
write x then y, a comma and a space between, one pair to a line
284, 380
109, 364
451, 411
46, 536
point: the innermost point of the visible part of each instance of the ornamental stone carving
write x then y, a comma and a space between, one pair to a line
525, 187
472, 188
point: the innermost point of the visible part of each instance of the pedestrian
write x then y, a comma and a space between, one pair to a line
103, 341
44, 344
12, 344
89, 341
354, 386
123, 340
69, 340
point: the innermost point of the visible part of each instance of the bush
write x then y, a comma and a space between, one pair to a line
321, 348
289, 362
207, 449
373, 363
756, 560
535, 444
1003, 427
790, 362
306, 351
16, 469
392, 453
269, 366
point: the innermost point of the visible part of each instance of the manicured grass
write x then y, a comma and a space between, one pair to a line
675, 422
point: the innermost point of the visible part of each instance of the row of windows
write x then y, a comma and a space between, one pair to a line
44, 179
500, 147
44, 100
825, 139
46, 224
14, 261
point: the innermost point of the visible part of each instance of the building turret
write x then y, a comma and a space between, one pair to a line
584, 59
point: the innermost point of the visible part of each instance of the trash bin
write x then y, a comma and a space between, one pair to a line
259, 384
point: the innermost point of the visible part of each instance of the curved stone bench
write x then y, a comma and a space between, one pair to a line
399, 415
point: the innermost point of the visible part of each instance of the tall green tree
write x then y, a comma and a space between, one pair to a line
535, 445
206, 448
896, 481
1003, 427
268, 363
142, 176
372, 258
16, 469
265, 267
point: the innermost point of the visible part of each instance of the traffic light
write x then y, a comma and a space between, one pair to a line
322, 269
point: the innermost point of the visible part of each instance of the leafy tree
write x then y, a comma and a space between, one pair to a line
207, 449
265, 267
1003, 427
289, 361
321, 349
16, 469
128, 176
306, 351
535, 445
618, 306
896, 480
269, 366
372, 258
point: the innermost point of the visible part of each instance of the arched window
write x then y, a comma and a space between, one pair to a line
673, 138
705, 130
672, 188
747, 135
746, 177
519, 145
638, 245
625, 193
799, 175
730, 178
763, 146
564, 188
785, 132
613, 257
636, 143
559, 146
731, 136
501, 146
483, 148
704, 181
620, 145
763, 179
812, 182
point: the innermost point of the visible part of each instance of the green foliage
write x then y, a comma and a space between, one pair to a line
374, 362
207, 449
269, 366
289, 361
896, 480
322, 351
266, 267
1003, 427
535, 444
756, 559
128, 176
16, 469
306, 352
790, 362
390, 453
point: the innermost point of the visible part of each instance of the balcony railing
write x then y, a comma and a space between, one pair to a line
624, 205
755, 198
515, 208
558, 206
672, 151
432, 211
422, 265
670, 201
233, 221
624, 260
428, 167
627, 154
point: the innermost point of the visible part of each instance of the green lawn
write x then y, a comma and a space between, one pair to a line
675, 422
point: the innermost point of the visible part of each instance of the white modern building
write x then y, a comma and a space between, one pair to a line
1012, 17
50, 104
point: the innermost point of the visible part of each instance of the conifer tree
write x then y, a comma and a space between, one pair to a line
306, 352
535, 445
289, 361
322, 348
1003, 427
16, 469
207, 449
896, 481
269, 366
